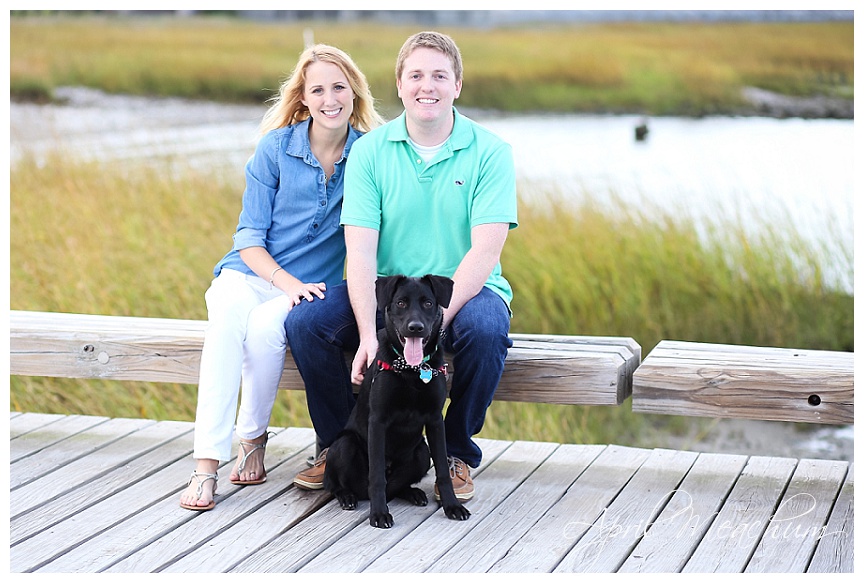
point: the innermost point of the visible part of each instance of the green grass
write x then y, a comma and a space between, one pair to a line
121, 240
652, 68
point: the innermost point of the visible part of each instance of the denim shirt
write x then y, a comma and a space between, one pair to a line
290, 209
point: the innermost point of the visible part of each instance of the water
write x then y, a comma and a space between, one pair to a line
788, 171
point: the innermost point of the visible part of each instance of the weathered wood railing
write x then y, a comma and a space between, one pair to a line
678, 378
550, 369
750, 382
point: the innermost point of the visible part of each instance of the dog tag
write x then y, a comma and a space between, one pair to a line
425, 374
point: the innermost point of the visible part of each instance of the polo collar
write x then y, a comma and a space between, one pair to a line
461, 136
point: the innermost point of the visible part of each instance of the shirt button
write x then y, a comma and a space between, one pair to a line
315, 226
419, 161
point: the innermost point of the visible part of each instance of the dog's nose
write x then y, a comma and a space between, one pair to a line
416, 327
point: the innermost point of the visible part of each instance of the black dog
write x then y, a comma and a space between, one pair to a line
382, 452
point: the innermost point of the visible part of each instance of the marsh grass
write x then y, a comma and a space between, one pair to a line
125, 239
653, 68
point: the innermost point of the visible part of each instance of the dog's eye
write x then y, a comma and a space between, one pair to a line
401, 304
428, 304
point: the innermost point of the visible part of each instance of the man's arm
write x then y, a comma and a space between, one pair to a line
487, 242
362, 270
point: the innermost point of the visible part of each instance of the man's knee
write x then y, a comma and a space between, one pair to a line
300, 319
484, 322
320, 317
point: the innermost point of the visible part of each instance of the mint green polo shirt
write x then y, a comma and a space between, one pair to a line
423, 212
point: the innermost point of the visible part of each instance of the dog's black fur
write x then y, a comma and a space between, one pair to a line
382, 451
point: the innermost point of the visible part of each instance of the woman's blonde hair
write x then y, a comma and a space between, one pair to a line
287, 107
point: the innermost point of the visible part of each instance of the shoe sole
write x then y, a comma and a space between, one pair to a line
250, 483
459, 497
199, 508
308, 485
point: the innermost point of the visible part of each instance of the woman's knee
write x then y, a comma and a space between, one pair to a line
262, 332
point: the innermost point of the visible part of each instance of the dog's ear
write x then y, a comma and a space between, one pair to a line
442, 287
385, 287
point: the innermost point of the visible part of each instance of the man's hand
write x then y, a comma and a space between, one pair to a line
363, 360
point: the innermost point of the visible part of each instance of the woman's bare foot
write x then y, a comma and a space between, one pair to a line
249, 468
198, 495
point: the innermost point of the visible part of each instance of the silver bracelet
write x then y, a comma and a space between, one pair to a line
271, 276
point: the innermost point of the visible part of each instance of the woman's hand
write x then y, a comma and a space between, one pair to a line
299, 291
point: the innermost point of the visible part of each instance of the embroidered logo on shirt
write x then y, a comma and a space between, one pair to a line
460, 182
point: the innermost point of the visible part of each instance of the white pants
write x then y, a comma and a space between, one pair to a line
245, 339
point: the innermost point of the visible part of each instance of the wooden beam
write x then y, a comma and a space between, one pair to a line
550, 369
719, 380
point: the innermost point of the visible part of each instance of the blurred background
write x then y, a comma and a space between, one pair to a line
682, 175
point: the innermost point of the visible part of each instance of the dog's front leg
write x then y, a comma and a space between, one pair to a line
438, 447
379, 514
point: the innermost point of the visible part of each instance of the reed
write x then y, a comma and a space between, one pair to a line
652, 68
137, 240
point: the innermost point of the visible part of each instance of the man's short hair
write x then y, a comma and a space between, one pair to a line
431, 40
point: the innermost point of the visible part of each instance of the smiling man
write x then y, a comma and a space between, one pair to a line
430, 192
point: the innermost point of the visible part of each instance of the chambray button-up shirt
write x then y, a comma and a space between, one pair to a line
291, 209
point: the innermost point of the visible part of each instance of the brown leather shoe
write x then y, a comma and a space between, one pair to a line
312, 478
463, 485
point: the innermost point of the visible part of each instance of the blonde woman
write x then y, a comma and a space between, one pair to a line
288, 247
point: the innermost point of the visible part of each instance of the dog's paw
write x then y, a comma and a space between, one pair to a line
456, 512
347, 501
381, 519
416, 496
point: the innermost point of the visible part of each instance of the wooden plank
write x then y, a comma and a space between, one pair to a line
164, 533
561, 374
676, 532
734, 534
23, 423
612, 537
794, 530
76, 446
492, 537
779, 384
577, 370
145, 437
835, 552
627, 348
300, 544
106, 347
436, 534
53, 511
38, 439
544, 545
244, 522
125, 499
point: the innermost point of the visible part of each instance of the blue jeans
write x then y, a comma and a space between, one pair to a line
320, 332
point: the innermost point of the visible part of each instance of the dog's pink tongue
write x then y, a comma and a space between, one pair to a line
413, 351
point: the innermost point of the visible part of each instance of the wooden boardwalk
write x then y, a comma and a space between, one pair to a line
93, 494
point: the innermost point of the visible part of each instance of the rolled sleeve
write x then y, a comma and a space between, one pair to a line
245, 238
262, 184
